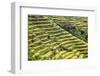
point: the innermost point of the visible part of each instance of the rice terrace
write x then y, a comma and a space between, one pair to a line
57, 37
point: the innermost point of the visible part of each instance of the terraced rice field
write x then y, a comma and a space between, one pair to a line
57, 37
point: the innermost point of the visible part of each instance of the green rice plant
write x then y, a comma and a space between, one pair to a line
57, 37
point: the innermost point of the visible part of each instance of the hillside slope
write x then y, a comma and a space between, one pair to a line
48, 41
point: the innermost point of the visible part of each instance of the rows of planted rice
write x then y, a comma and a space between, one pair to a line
48, 41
